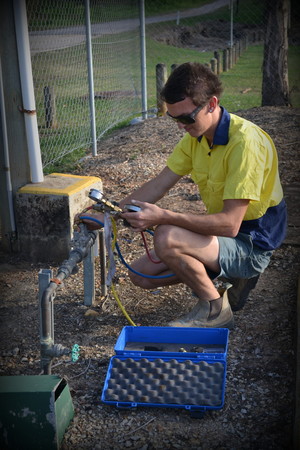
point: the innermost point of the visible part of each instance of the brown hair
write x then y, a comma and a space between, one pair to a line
193, 80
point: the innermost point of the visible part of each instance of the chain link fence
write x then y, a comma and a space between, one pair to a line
203, 34
224, 33
59, 44
62, 76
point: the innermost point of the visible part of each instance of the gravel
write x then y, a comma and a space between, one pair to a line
261, 363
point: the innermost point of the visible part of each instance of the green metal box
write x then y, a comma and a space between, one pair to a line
34, 411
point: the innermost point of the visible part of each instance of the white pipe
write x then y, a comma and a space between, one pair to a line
28, 108
12, 223
90, 75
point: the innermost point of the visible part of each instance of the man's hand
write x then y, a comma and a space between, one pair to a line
149, 216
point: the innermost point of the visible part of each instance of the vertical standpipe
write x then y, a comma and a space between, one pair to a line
28, 108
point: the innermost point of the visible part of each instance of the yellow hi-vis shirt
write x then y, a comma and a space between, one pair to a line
242, 163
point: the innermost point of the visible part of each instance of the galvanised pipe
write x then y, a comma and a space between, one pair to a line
85, 240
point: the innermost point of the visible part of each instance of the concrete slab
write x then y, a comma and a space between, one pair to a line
45, 215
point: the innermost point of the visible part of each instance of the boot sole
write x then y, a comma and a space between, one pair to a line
229, 324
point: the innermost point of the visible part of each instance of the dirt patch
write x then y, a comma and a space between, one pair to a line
205, 36
260, 387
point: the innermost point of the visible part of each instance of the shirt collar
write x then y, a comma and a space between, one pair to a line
221, 136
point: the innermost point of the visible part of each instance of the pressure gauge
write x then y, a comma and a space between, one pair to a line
95, 195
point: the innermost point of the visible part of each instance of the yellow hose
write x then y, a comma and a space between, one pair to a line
113, 290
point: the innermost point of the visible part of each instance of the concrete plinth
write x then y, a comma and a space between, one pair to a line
45, 215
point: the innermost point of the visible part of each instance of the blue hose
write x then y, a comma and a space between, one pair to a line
156, 277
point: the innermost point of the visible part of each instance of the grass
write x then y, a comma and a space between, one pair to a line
58, 14
45, 14
242, 84
158, 7
162, 53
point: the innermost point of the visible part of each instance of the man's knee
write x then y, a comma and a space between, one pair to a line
164, 240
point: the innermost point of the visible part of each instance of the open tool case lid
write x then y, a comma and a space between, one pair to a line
168, 367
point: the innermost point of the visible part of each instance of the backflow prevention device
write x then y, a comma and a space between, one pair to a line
82, 241
104, 205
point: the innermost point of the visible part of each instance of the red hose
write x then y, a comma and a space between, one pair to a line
154, 261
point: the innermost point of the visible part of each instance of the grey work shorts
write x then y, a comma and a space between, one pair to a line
239, 258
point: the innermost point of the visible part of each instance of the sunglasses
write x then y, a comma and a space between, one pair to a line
187, 119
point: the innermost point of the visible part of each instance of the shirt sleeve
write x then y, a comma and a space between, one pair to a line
180, 160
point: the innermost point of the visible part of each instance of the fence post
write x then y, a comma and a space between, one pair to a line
173, 67
231, 22
225, 60
238, 46
233, 54
161, 78
90, 75
213, 63
143, 58
50, 107
230, 58
219, 65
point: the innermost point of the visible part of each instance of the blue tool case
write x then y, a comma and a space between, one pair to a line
168, 367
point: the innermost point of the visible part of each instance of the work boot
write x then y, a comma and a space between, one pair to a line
199, 316
239, 291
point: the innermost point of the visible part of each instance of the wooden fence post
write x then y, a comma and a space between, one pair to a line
234, 54
219, 62
238, 46
161, 78
230, 58
50, 107
213, 63
225, 60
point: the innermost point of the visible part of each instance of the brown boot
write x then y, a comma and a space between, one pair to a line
239, 291
199, 316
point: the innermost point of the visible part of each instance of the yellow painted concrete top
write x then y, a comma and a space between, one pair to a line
59, 184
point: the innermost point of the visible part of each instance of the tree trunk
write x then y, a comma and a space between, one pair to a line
275, 85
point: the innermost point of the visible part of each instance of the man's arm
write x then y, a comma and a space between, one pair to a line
151, 192
225, 223
155, 189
